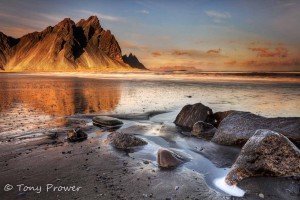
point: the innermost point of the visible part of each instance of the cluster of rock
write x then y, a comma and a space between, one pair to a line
270, 144
166, 159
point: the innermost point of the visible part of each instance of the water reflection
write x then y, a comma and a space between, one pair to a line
59, 96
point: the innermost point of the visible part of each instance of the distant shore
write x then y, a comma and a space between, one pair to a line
258, 77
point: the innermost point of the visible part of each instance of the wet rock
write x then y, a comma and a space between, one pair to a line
167, 159
53, 136
77, 135
266, 153
238, 127
219, 116
279, 188
125, 141
190, 114
105, 121
203, 130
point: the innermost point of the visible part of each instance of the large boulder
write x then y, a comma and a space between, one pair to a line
266, 153
238, 127
190, 114
167, 159
105, 121
219, 116
203, 130
76, 135
125, 141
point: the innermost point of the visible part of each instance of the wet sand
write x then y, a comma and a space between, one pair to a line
30, 156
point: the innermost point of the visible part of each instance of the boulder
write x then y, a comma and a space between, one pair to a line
105, 121
266, 153
190, 114
203, 130
125, 141
77, 135
219, 116
167, 159
238, 127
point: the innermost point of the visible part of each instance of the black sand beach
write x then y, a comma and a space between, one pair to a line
36, 112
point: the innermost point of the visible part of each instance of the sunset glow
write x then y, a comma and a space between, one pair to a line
193, 35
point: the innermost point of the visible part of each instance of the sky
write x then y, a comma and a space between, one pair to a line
207, 35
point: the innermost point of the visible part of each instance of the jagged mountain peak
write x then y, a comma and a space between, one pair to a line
133, 61
64, 47
92, 21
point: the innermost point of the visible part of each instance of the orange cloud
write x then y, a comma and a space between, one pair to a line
285, 63
280, 52
214, 51
156, 53
181, 52
232, 62
197, 53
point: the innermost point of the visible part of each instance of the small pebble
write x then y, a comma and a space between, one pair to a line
261, 195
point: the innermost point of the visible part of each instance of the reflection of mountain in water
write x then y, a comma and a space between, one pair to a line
59, 96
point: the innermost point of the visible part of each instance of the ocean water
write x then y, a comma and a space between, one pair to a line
64, 96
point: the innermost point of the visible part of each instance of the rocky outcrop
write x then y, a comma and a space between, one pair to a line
219, 116
65, 47
77, 135
190, 114
167, 159
6, 48
125, 141
203, 130
105, 121
132, 61
266, 153
238, 127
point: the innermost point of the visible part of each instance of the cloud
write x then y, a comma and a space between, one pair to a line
279, 52
145, 12
231, 62
125, 44
156, 53
285, 63
217, 16
102, 16
214, 51
196, 53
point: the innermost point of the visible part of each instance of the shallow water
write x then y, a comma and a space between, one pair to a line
30, 104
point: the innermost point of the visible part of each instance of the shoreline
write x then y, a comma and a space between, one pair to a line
209, 77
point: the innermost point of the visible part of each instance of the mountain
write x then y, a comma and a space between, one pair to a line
65, 47
132, 61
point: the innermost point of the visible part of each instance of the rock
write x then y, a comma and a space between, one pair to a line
77, 135
238, 127
261, 195
53, 136
203, 130
190, 114
125, 141
104, 121
132, 61
266, 153
167, 159
219, 116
